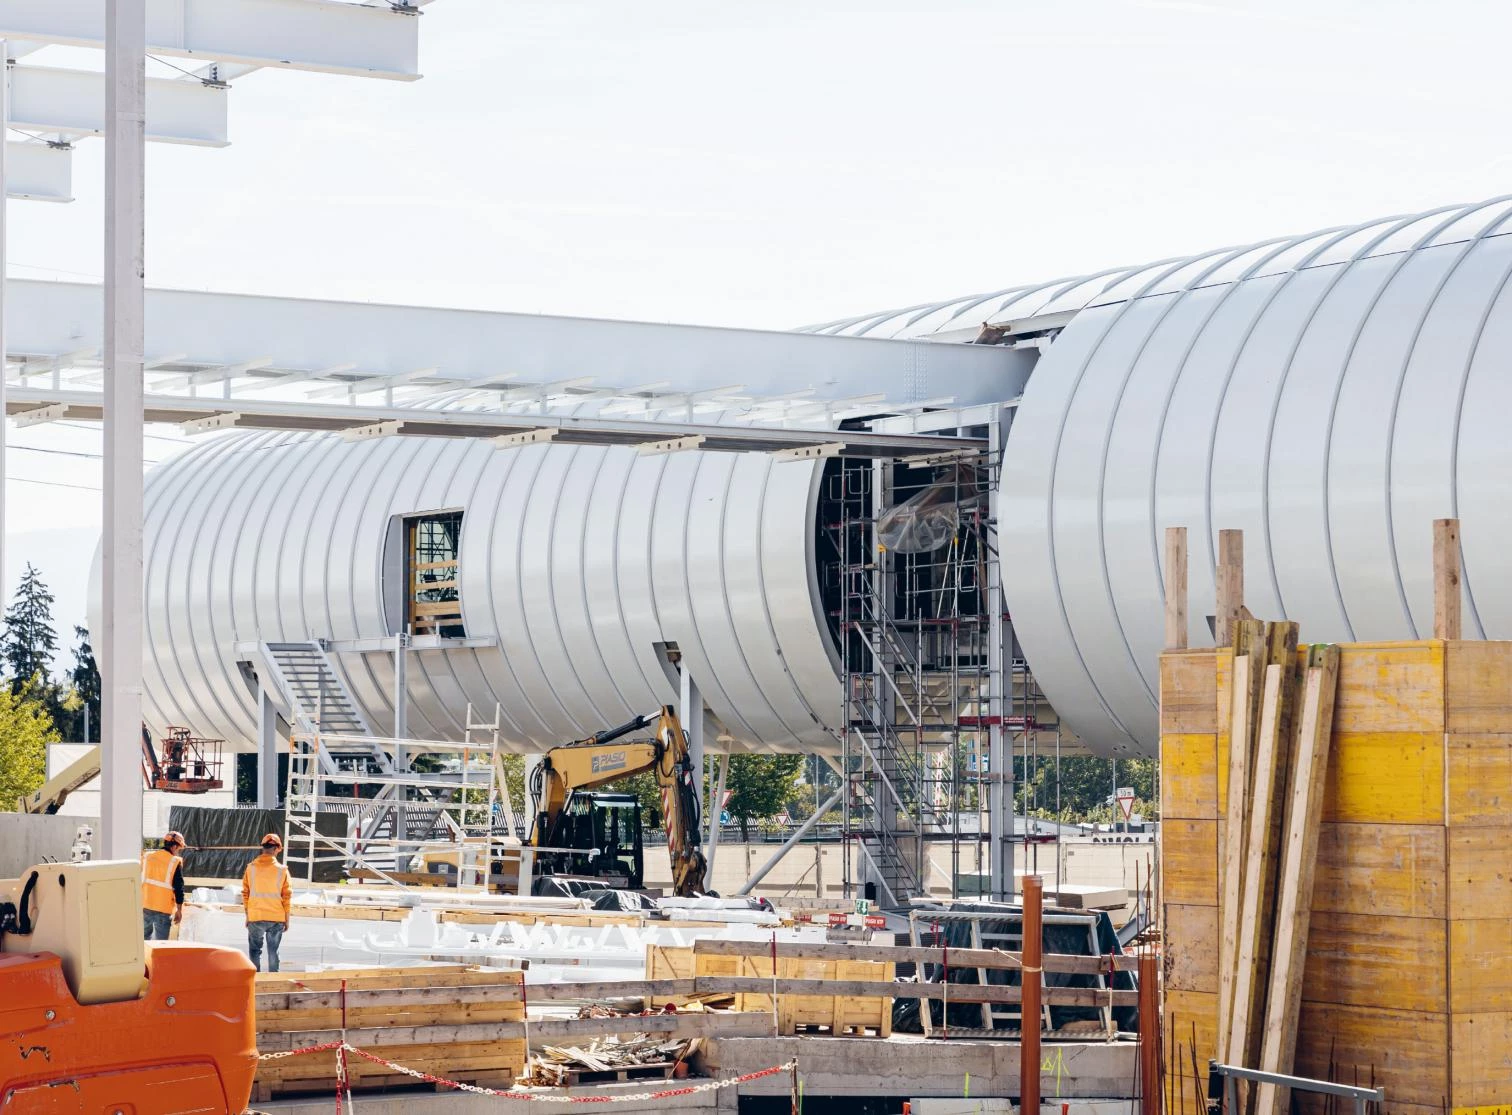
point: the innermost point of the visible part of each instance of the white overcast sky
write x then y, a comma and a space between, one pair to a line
777, 163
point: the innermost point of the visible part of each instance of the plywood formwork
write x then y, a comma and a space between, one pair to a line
1409, 968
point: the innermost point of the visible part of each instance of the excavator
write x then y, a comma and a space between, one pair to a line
598, 835
96, 1020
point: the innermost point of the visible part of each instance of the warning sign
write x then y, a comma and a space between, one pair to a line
1124, 795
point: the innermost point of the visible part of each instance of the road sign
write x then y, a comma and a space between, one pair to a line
724, 816
1125, 798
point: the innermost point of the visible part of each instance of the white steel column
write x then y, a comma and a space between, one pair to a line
999, 742
267, 750
716, 800
691, 712
401, 687
125, 190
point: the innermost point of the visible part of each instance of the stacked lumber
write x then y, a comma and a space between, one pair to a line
1406, 977
609, 1060
840, 1014
429, 1019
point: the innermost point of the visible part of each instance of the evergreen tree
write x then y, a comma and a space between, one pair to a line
85, 677
75, 707
25, 732
29, 642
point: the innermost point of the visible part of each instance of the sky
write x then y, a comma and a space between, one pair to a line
777, 164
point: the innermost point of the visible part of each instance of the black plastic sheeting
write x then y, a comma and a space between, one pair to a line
223, 841
1070, 939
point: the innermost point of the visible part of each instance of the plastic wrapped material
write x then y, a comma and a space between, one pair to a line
928, 519
221, 842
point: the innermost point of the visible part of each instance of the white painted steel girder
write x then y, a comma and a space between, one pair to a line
72, 102
575, 560
38, 172
1330, 395
376, 40
231, 329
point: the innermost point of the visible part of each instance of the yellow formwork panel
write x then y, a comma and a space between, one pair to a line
1481, 968
1391, 870
1385, 777
1189, 863
1189, 776
1390, 687
1479, 790
1481, 1047
1391, 963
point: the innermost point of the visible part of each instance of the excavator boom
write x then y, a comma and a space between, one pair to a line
601, 759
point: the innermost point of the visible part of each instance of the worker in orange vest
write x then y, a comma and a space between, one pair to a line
163, 888
265, 900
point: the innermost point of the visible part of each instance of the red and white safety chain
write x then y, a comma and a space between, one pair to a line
537, 1097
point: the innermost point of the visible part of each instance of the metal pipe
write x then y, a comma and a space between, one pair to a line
798, 835
716, 804
1029, 1005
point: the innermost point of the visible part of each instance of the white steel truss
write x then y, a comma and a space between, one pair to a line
65, 102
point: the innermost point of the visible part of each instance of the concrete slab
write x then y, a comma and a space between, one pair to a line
911, 1067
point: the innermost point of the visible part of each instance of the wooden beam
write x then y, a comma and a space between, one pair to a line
1298, 869
886, 989
1246, 668
1033, 981
1446, 580
1149, 1034
1229, 581
1176, 588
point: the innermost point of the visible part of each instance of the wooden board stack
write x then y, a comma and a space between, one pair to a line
1408, 955
853, 1015
406, 1002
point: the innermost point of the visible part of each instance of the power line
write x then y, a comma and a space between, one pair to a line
54, 483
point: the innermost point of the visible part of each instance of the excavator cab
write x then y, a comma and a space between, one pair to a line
600, 835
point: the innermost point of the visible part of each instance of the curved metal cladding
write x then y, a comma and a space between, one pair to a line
1328, 394
578, 560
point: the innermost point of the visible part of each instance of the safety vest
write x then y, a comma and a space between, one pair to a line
265, 890
157, 881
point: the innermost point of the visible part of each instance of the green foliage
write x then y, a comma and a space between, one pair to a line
25, 731
29, 642
761, 787
1086, 785
80, 692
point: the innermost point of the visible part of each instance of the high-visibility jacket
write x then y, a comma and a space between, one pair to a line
158, 869
265, 890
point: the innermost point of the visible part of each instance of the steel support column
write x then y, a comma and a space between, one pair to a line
999, 753
267, 750
125, 189
788, 845
691, 712
716, 801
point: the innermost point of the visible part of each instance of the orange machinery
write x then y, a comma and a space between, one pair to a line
92, 1020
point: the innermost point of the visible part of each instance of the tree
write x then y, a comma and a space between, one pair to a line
29, 642
760, 787
85, 679
25, 732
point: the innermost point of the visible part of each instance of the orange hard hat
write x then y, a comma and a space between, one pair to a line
272, 838
173, 836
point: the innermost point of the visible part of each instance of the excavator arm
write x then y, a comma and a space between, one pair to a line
601, 759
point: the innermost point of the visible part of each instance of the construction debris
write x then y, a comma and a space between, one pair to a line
610, 1059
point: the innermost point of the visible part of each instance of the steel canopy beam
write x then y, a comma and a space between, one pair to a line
365, 421
38, 172
72, 102
320, 35
475, 347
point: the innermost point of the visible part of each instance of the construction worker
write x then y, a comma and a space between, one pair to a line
163, 888
265, 900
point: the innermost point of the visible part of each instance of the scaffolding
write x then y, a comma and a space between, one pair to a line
401, 797
912, 585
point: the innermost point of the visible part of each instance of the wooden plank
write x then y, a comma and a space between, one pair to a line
956, 993
1390, 687
418, 997
1297, 871
1482, 1057
1386, 870
1447, 592
1249, 971
733, 1024
1190, 960
1188, 692
377, 979
1386, 778
1480, 970
998, 959
1189, 776
1236, 832
1478, 687
1229, 581
1175, 588
1403, 1051
1390, 963
1479, 776
1480, 872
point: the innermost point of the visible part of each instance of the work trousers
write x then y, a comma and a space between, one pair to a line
260, 931
156, 926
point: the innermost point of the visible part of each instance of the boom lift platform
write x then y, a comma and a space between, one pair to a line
190, 765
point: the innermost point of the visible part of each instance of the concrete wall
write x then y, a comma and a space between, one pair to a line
26, 841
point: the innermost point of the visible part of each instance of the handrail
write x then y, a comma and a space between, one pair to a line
1230, 1095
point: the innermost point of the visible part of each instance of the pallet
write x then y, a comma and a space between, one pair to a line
571, 1077
266, 1090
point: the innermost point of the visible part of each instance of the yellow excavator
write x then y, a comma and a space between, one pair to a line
579, 833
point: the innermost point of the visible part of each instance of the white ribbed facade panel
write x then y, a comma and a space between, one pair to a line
1330, 397
581, 562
